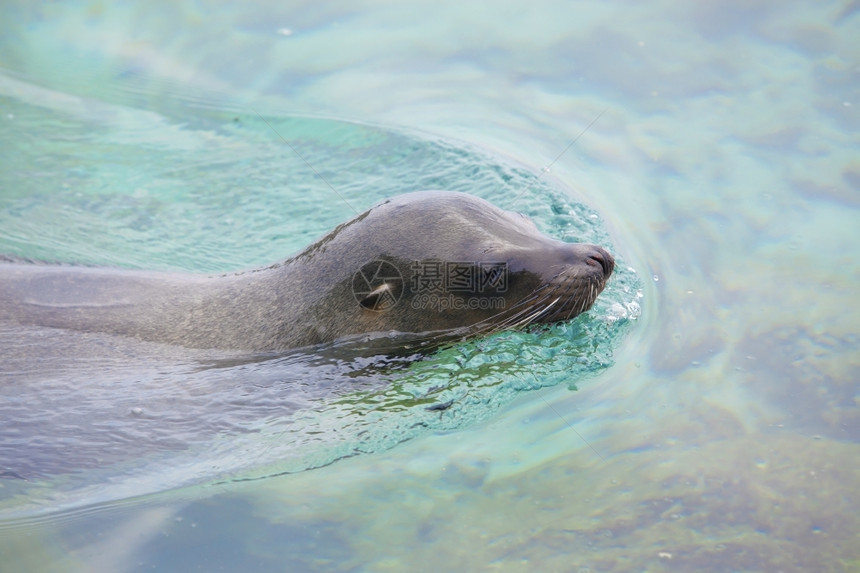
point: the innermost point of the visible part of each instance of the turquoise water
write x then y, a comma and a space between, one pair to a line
147, 419
721, 433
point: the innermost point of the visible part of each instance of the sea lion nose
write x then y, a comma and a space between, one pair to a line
602, 257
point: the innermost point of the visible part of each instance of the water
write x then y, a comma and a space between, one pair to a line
100, 419
723, 436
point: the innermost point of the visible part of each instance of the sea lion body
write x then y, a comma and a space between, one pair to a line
429, 263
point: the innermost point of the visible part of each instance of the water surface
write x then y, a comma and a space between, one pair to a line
724, 434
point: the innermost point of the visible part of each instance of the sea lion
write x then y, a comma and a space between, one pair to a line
430, 265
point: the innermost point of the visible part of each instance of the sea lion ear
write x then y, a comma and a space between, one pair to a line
372, 299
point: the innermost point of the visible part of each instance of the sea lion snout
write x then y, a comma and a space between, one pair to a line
585, 256
601, 256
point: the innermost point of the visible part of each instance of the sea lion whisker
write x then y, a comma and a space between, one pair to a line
516, 320
526, 305
530, 319
529, 314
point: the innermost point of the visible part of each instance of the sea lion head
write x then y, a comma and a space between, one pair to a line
447, 264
